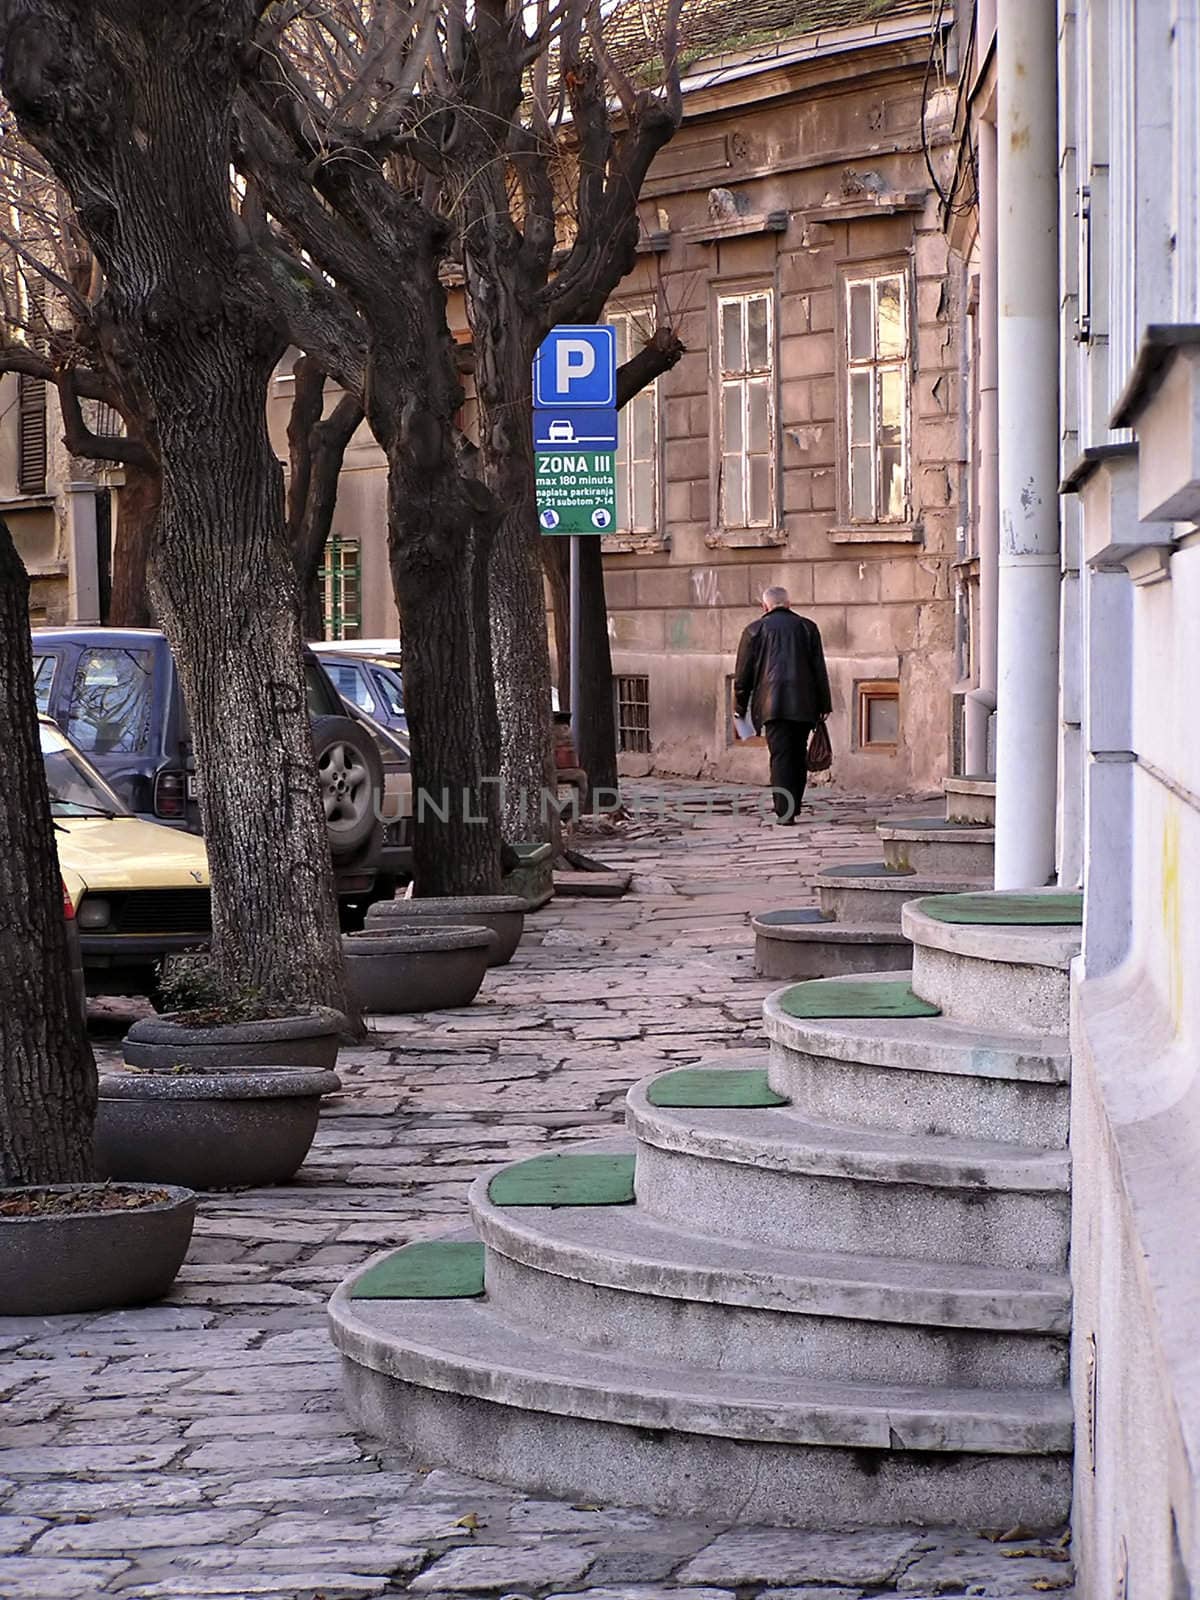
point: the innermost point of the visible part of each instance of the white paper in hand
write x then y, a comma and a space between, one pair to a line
744, 727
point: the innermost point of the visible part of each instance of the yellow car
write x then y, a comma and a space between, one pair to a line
139, 890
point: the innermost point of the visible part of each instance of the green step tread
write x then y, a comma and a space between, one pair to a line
1062, 910
805, 916
427, 1269
731, 1087
571, 1179
864, 997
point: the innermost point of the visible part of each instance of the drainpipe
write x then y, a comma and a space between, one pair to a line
1027, 352
981, 701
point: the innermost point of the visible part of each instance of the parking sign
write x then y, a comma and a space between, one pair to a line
576, 366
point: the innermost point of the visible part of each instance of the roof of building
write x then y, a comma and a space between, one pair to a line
633, 29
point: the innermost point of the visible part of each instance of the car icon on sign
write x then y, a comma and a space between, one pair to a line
561, 431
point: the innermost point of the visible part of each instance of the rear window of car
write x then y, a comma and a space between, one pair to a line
112, 701
44, 668
322, 701
350, 683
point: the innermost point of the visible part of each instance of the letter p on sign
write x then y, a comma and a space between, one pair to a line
576, 359
576, 366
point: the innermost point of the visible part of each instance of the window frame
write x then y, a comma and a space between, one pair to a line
622, 700
866, 691
626, 526
332, 579
744, 378
851, 276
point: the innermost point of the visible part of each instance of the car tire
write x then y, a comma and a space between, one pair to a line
350, 773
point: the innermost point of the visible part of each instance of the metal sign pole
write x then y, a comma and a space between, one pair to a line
576, 662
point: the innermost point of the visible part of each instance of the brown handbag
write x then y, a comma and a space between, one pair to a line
820, 751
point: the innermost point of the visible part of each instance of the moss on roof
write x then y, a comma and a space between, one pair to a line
633, 29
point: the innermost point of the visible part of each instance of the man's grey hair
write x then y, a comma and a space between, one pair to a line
775, 598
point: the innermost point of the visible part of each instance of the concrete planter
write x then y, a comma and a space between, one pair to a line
92, 1260
532, 879
164, 1042
504, 914
415, 968
237, 1127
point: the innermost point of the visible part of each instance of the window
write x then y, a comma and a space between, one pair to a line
341, 584
633, 714
745, 338
637, 442
111, 701
351, 683
878, 715
877, 361
31, 435
44, 668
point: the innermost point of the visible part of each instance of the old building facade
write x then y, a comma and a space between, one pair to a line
810, 435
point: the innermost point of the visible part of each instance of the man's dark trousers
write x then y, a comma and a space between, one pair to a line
788, 744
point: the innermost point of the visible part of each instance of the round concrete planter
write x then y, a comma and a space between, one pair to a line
415, 968
504, 914
92, 1260
233, 1128
308, 1041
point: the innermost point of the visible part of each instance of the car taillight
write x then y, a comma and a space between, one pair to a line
68, 908
170, 795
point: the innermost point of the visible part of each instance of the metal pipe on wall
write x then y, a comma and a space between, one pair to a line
1027, 417
981, 701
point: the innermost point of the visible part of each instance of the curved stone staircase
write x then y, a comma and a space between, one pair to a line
844, 1304
855, 926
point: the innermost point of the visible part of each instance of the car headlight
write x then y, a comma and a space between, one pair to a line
93, 913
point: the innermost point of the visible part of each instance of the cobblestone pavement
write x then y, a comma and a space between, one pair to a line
199, 1448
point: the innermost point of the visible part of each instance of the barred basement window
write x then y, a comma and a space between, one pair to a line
878, 715
31, 435
633, 714
341, 584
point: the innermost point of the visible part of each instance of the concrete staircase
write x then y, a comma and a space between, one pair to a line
849, 1309
855, 926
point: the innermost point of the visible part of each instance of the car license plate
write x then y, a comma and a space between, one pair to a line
193, 786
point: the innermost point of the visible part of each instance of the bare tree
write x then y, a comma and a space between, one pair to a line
55, 330
388, 141
47, 1074
131, 106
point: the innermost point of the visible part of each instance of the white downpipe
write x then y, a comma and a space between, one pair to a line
1027, 352
981, 701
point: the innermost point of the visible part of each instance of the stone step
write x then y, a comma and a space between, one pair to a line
971, 800
452, 1382
921, 1076
937, 847
807, 944
1016, 978
872, 892
771, 1177
614, 1280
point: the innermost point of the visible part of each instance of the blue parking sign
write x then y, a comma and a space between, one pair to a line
576, 366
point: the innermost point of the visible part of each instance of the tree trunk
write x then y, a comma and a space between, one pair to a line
318, 449
132, 106
47, 1074
137, 527
224, 585
520, 644
441, 522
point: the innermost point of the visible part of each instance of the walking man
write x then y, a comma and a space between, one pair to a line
781, 679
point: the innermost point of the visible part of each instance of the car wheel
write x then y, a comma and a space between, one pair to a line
351, 779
